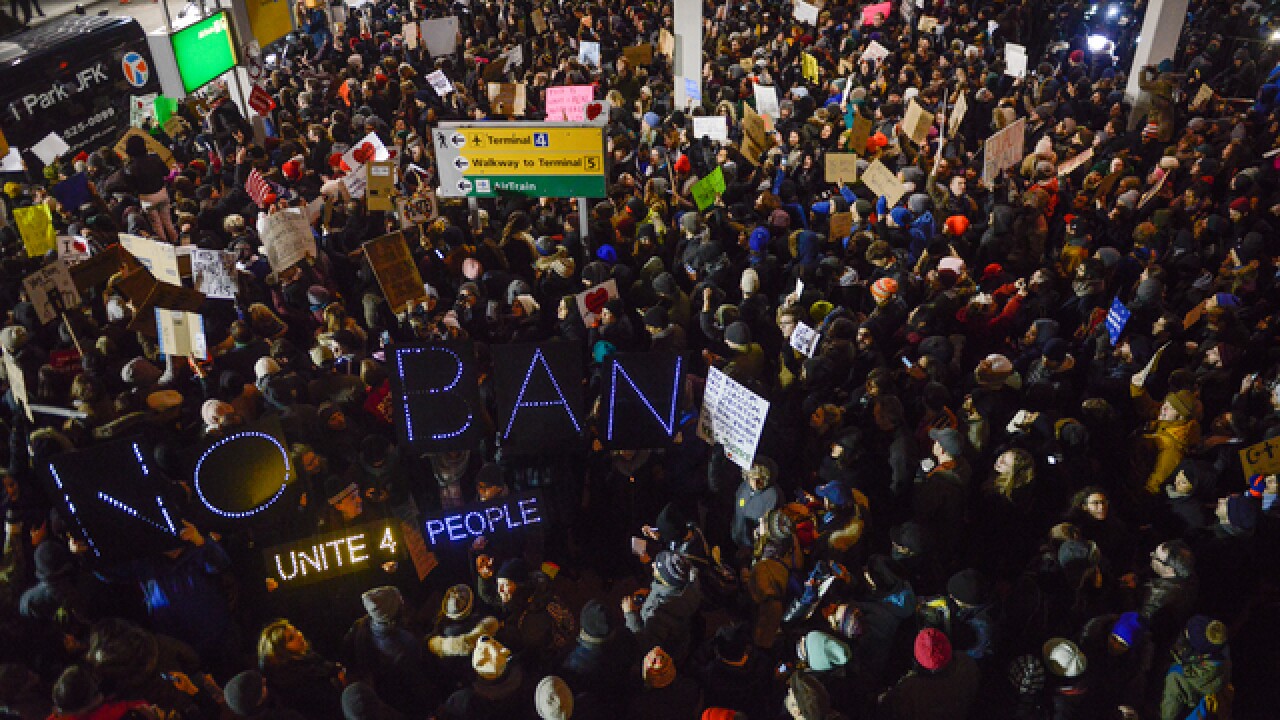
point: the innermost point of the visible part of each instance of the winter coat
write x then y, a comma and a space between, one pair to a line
505, 698
944, 695
453, 650
1189, 682
665, 618
308, 684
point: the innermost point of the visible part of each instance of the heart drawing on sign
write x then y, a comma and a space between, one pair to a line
595, 300
594, 109
364, 153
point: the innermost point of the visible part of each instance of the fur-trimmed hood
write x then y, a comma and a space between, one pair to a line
462, 645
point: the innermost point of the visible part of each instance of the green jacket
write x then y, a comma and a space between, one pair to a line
1189, 682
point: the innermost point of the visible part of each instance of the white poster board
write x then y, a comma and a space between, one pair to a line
158, 257
592, 300
51, 289
288, 239
213, 272
440, 35
767, 100
806, 13
733, 416
49, 148
1015, 60
1002, 150
804, 339
716, 128
875, 52
440, 83
589, 54
181, 334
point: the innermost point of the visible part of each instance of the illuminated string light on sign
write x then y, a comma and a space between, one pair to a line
331, 555
409, 391
241, 440
539, 359
667, 421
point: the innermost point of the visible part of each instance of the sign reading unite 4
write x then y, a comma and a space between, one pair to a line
326, 556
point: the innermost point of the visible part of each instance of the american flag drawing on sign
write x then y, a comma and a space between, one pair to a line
257, 187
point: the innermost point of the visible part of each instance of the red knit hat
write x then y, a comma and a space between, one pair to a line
1076, 56
292, 169
932, 649
957, 225
683, 165
883, 288
1240, 205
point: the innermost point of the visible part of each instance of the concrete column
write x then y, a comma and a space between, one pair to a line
1158, 40
688, 56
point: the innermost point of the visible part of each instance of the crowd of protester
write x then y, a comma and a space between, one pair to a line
970, 501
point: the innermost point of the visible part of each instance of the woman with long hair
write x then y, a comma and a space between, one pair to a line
297, 675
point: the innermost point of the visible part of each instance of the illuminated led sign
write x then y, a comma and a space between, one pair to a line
331, 555
501, 516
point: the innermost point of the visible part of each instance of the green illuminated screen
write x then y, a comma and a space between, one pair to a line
204, 51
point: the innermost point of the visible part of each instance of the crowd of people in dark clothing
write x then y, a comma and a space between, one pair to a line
1006, 482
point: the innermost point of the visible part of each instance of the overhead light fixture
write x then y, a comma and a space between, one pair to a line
1097, 43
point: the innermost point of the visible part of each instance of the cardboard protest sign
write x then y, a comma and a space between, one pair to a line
714, 128
916, 122
153, 145
1075, 163
1117, 318
395, 270
589, 53
754, 139
875, 52
241, 478
440, 35
213, 272
328, 555
35, 225
591, 301
882, 9
642, 401
424, 561
99, 267
1194, 314
841, 225
1002, 150
957, 114
507, 98
568, 103
666, 42
639, 55
1261, 458
804, 339
539, 392
159, 258
1203, 95
859, 134
494, 69
881, 181
508, 514
380, 185
1015, 60
17, 385
767, 100
927, 23
438, 406
146, 293
125, 514
51, 290
840, 167
732, 416
706, 190
539, 21
288, 239
181, 334
806, 13
417, 209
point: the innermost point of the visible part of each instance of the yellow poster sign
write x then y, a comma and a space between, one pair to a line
35, 224
269, 20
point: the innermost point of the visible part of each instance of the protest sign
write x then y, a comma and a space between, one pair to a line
141, 109
840, 225
809, 67
51, 291
440, 35
17, 385
732, 416
540, 397
589, 53
881, 181
1002, 150
437, 396
715, 128
806, 13
859, 134
369, 149
754, 139
642, 402
870, 12
804, 339
288, 239
916, 122
73, 192
1154, 190
1075, 163
840, 167
409, 31
1194, 314
1015, 60
123, 514
567, 103
539, 21
395, 270
767, 100
639, 56
380, 186
875, 52
592, 300
181, 334
440, 83
35, 225
417, 209
424, 561
50, 148
927, 23
1203, 95
100, 266
213, 272
72, 249
692, 90
153, 145
706, 190
957, 114
159, 258
1117, 317
503, 516
329, 555
146, 294
494, 69
1261, 458
240, 478
507, 98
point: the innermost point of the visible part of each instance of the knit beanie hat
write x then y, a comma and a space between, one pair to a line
1128, 628
658, 669
811, 696
968, 587
490, 658
458, 601
594, 620
140, 372
824, 652
243, 693
1183, 402
1242, 511
737, 335
1063, 658
515, 570
1205, 634
883, 289
552, 699
932, 649
993, 370
383, 604
265, 366
672, 568
846, 620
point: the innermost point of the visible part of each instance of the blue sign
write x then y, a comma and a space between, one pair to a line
541, 140
1117, 316
693, 90
503, 515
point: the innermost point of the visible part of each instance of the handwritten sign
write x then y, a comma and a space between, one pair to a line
804, 339
568, 103
639, 55
1002, 150
767, 100
503, 516
841, 225
881, 181
732, 416
592, 300
870, 12
323, 557
440, 35
158, 257
1261, 458
440, 83
916, 122
714, 128
17, 384
51, 290
181, 334
706, 190
957, 114
1074, 163
395, 270
213, 272
589, 53
806, 13
1015, 60
859, 134
875, 52
287, 236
